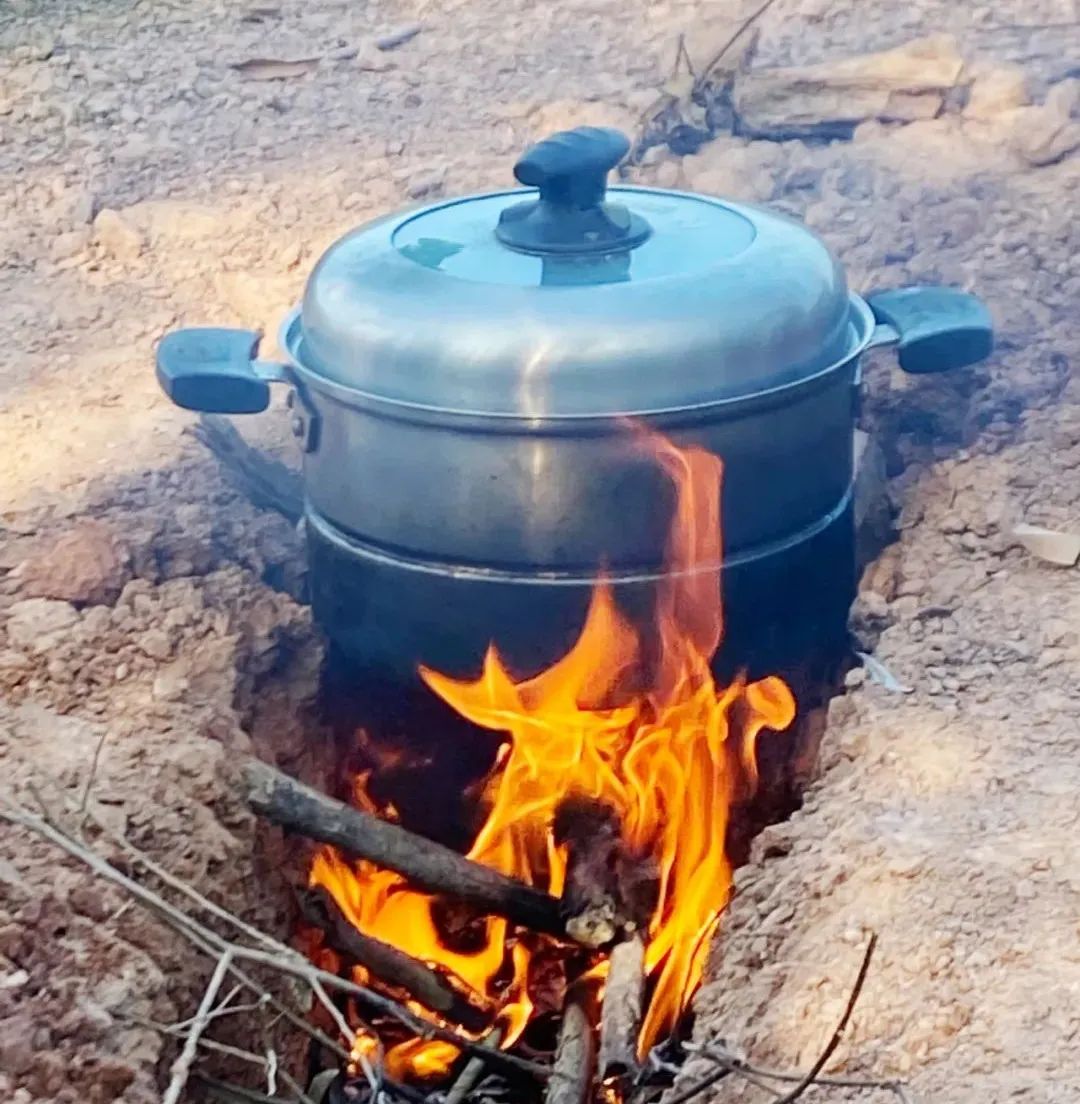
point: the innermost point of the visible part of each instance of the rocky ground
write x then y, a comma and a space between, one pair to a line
155, 175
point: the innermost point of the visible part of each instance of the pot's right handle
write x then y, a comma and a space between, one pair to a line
216, 370
933, 328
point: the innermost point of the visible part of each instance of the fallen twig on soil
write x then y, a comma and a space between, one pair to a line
838, 1033
757, 1075
290, 963
729, 1066
427, 865
181, 1068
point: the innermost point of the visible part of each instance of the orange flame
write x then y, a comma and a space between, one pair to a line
670, 760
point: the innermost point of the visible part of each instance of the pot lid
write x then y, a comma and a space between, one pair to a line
574, 299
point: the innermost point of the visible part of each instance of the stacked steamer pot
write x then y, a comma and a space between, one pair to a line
462, 377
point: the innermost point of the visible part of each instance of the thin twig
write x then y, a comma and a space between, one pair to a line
838, 1033
474, 1068
737, 1065
189, 891
751, 1072
85, 800
291, 964
746, 24
182, 1066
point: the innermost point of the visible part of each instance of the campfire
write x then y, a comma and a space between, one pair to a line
611, 794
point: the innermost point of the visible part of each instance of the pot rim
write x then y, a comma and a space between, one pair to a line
290, 342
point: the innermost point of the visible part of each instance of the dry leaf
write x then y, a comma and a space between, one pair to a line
262, 69
1050, 545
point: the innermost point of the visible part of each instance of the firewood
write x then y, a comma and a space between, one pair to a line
427, 865
389, 965
589, 830
620, 1020
575, 1055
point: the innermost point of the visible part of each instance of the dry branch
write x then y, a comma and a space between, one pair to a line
181, 1068
590, 901
264, 481
428, 866
575, 1056
620, 1020
466, 1080
289, 963
390, 965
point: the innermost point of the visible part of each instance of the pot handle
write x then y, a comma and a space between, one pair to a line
216, 370
934, 328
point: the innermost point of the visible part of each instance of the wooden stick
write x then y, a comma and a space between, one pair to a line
390, 965
474, 1068
291, 964
575, 1055
590, 901
428, 866
181, 1068
620, 1021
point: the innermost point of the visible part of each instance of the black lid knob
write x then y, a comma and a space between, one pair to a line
571, 216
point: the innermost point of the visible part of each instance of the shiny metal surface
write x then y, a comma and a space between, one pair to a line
564, 495
722, 301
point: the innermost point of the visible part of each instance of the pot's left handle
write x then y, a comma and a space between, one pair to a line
216, 371
933, 328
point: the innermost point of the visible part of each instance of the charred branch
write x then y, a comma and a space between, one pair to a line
427, 865
575, 1056
609, 893
389, 965
620, 1020
589, 831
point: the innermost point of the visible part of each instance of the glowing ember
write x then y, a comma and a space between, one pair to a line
670, 760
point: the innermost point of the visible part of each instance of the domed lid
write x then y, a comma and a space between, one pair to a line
574, 300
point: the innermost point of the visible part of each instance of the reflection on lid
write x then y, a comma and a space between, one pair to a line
431, 252
611, 268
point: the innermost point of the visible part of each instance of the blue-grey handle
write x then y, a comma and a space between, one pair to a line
216, 371
934, 328
571, 217
572, 166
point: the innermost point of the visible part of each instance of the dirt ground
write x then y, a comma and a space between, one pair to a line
148, 618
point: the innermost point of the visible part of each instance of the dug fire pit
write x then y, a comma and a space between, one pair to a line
559, 445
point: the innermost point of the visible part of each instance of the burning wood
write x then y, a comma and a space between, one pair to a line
429, 866
575, 1056
620, 1021
661, 752
390, 965
591, 900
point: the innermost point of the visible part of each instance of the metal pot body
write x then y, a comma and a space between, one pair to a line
565, 498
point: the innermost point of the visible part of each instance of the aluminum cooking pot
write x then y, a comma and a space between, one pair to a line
462, 375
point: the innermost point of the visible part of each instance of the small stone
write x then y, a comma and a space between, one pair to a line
116, 235
170, 685
155, 644
995, 90
427, 183
398, 36
86, 565
37, 624
1050, 545
854, 678
1048, 133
